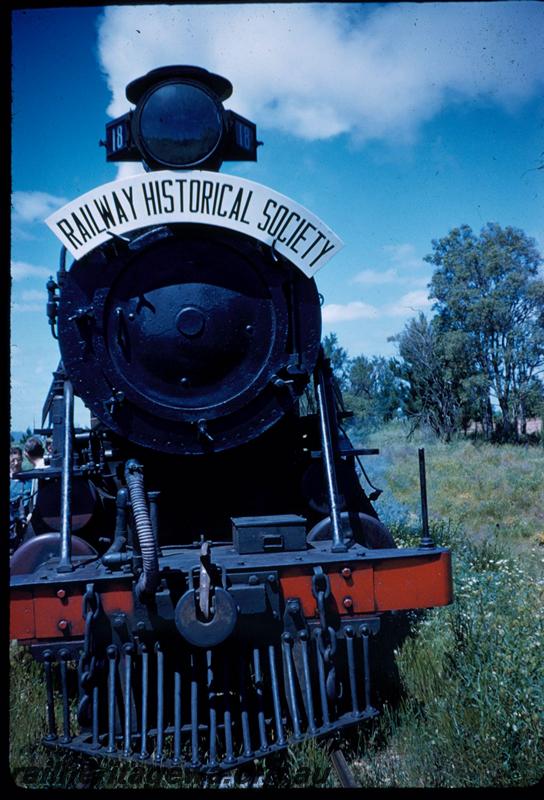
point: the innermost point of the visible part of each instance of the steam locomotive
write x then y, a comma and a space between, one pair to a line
208, 581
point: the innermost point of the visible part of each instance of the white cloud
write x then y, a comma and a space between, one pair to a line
319, 70
406, 306
25, 308
21, 270
374, 277
30, 295
406, 263
409, 304
30, 300
334, 312
404, 256
29, 207
128, 168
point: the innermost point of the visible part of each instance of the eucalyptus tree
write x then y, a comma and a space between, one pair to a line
374, 391
490, 300
431, 378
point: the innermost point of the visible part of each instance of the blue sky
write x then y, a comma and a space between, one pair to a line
391, 122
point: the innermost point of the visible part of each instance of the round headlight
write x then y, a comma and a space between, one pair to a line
178, 125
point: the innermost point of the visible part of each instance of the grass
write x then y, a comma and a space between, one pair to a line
488, 489
472, 711
472, 674
34, 766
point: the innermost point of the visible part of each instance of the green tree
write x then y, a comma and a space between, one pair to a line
371, 388
431, 377
490, 299
26, 435
374, 391
339, 358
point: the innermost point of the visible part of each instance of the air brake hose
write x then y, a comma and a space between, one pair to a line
116, 554
149, 579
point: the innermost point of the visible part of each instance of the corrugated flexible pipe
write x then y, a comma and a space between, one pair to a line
149, 579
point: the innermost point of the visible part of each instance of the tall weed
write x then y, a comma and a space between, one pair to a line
472, 673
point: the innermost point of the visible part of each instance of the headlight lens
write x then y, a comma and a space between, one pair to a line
179, 125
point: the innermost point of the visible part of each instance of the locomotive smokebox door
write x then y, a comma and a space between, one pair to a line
190, 338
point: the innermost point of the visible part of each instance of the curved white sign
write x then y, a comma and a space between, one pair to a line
209, 198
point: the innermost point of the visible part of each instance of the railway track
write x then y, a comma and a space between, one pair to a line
345, 775
338, 761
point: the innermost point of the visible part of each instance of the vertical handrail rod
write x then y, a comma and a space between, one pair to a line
65, 562
323, 403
